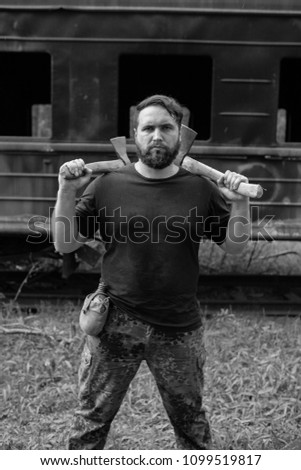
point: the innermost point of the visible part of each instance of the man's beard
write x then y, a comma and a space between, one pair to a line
158, 156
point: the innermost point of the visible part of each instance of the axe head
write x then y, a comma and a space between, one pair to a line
187, 138
119, 144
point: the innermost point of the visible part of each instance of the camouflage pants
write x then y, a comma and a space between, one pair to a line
110, 362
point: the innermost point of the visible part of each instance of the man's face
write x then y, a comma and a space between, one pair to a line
157, 137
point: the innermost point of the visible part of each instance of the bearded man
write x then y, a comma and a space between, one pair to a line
152, 216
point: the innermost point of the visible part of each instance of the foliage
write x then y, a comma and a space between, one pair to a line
252, 395
258, 257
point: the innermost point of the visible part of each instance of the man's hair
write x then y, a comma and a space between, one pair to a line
171, 105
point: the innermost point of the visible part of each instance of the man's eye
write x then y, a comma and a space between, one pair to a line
148, 129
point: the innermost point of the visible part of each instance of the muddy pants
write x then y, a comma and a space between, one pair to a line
110, 362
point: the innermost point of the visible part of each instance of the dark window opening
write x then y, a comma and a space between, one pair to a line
289, 106
186, 78
25, 94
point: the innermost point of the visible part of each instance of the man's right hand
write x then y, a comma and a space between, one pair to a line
74, 174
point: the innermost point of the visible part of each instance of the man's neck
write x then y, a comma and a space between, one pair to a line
156, 173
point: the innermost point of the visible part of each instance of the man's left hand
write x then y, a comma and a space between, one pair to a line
228, 184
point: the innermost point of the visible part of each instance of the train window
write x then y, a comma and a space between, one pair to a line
289, 105
186, 78
25, 94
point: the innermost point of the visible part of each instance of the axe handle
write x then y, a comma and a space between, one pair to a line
190, 164
245, 189
105, 167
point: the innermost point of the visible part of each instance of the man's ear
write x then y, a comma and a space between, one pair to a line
135, 133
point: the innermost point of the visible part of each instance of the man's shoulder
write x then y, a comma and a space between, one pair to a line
198, 179
114, 176
120, 172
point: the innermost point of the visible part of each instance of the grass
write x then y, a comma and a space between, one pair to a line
258, 257
252, 395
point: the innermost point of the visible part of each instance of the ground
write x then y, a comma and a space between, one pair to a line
252, 393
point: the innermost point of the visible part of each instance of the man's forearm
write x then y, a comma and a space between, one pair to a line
239, 227
64, 223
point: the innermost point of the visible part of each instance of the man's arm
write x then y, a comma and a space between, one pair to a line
72, 176
239, 226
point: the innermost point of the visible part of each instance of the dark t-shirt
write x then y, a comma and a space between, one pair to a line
152, 229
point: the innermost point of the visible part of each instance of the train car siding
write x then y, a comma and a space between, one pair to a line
70, 75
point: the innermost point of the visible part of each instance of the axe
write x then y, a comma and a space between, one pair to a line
187, 138
119, 144
198, 168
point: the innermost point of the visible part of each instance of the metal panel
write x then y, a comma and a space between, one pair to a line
86, 39
250, 5
110, 26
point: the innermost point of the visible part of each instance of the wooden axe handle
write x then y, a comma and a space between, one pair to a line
105, 167
190, 164
198, 168
96, 167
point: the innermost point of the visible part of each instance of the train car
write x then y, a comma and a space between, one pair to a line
71, 72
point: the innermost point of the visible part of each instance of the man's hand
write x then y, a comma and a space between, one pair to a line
228, 184
74, 174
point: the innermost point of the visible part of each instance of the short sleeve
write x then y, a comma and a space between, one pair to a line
216, 223
86, 213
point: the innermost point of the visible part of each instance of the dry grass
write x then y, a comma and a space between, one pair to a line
254, 380
253, 384
258, 257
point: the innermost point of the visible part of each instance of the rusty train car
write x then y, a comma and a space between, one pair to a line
71, 71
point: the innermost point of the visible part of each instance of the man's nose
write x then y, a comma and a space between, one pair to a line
157, 134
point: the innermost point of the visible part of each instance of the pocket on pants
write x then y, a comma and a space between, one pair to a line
85, 371
86, 358
200, 366
92, 344
202, 355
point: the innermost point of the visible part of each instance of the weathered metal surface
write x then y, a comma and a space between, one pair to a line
87, 47
240, 5
221, 59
